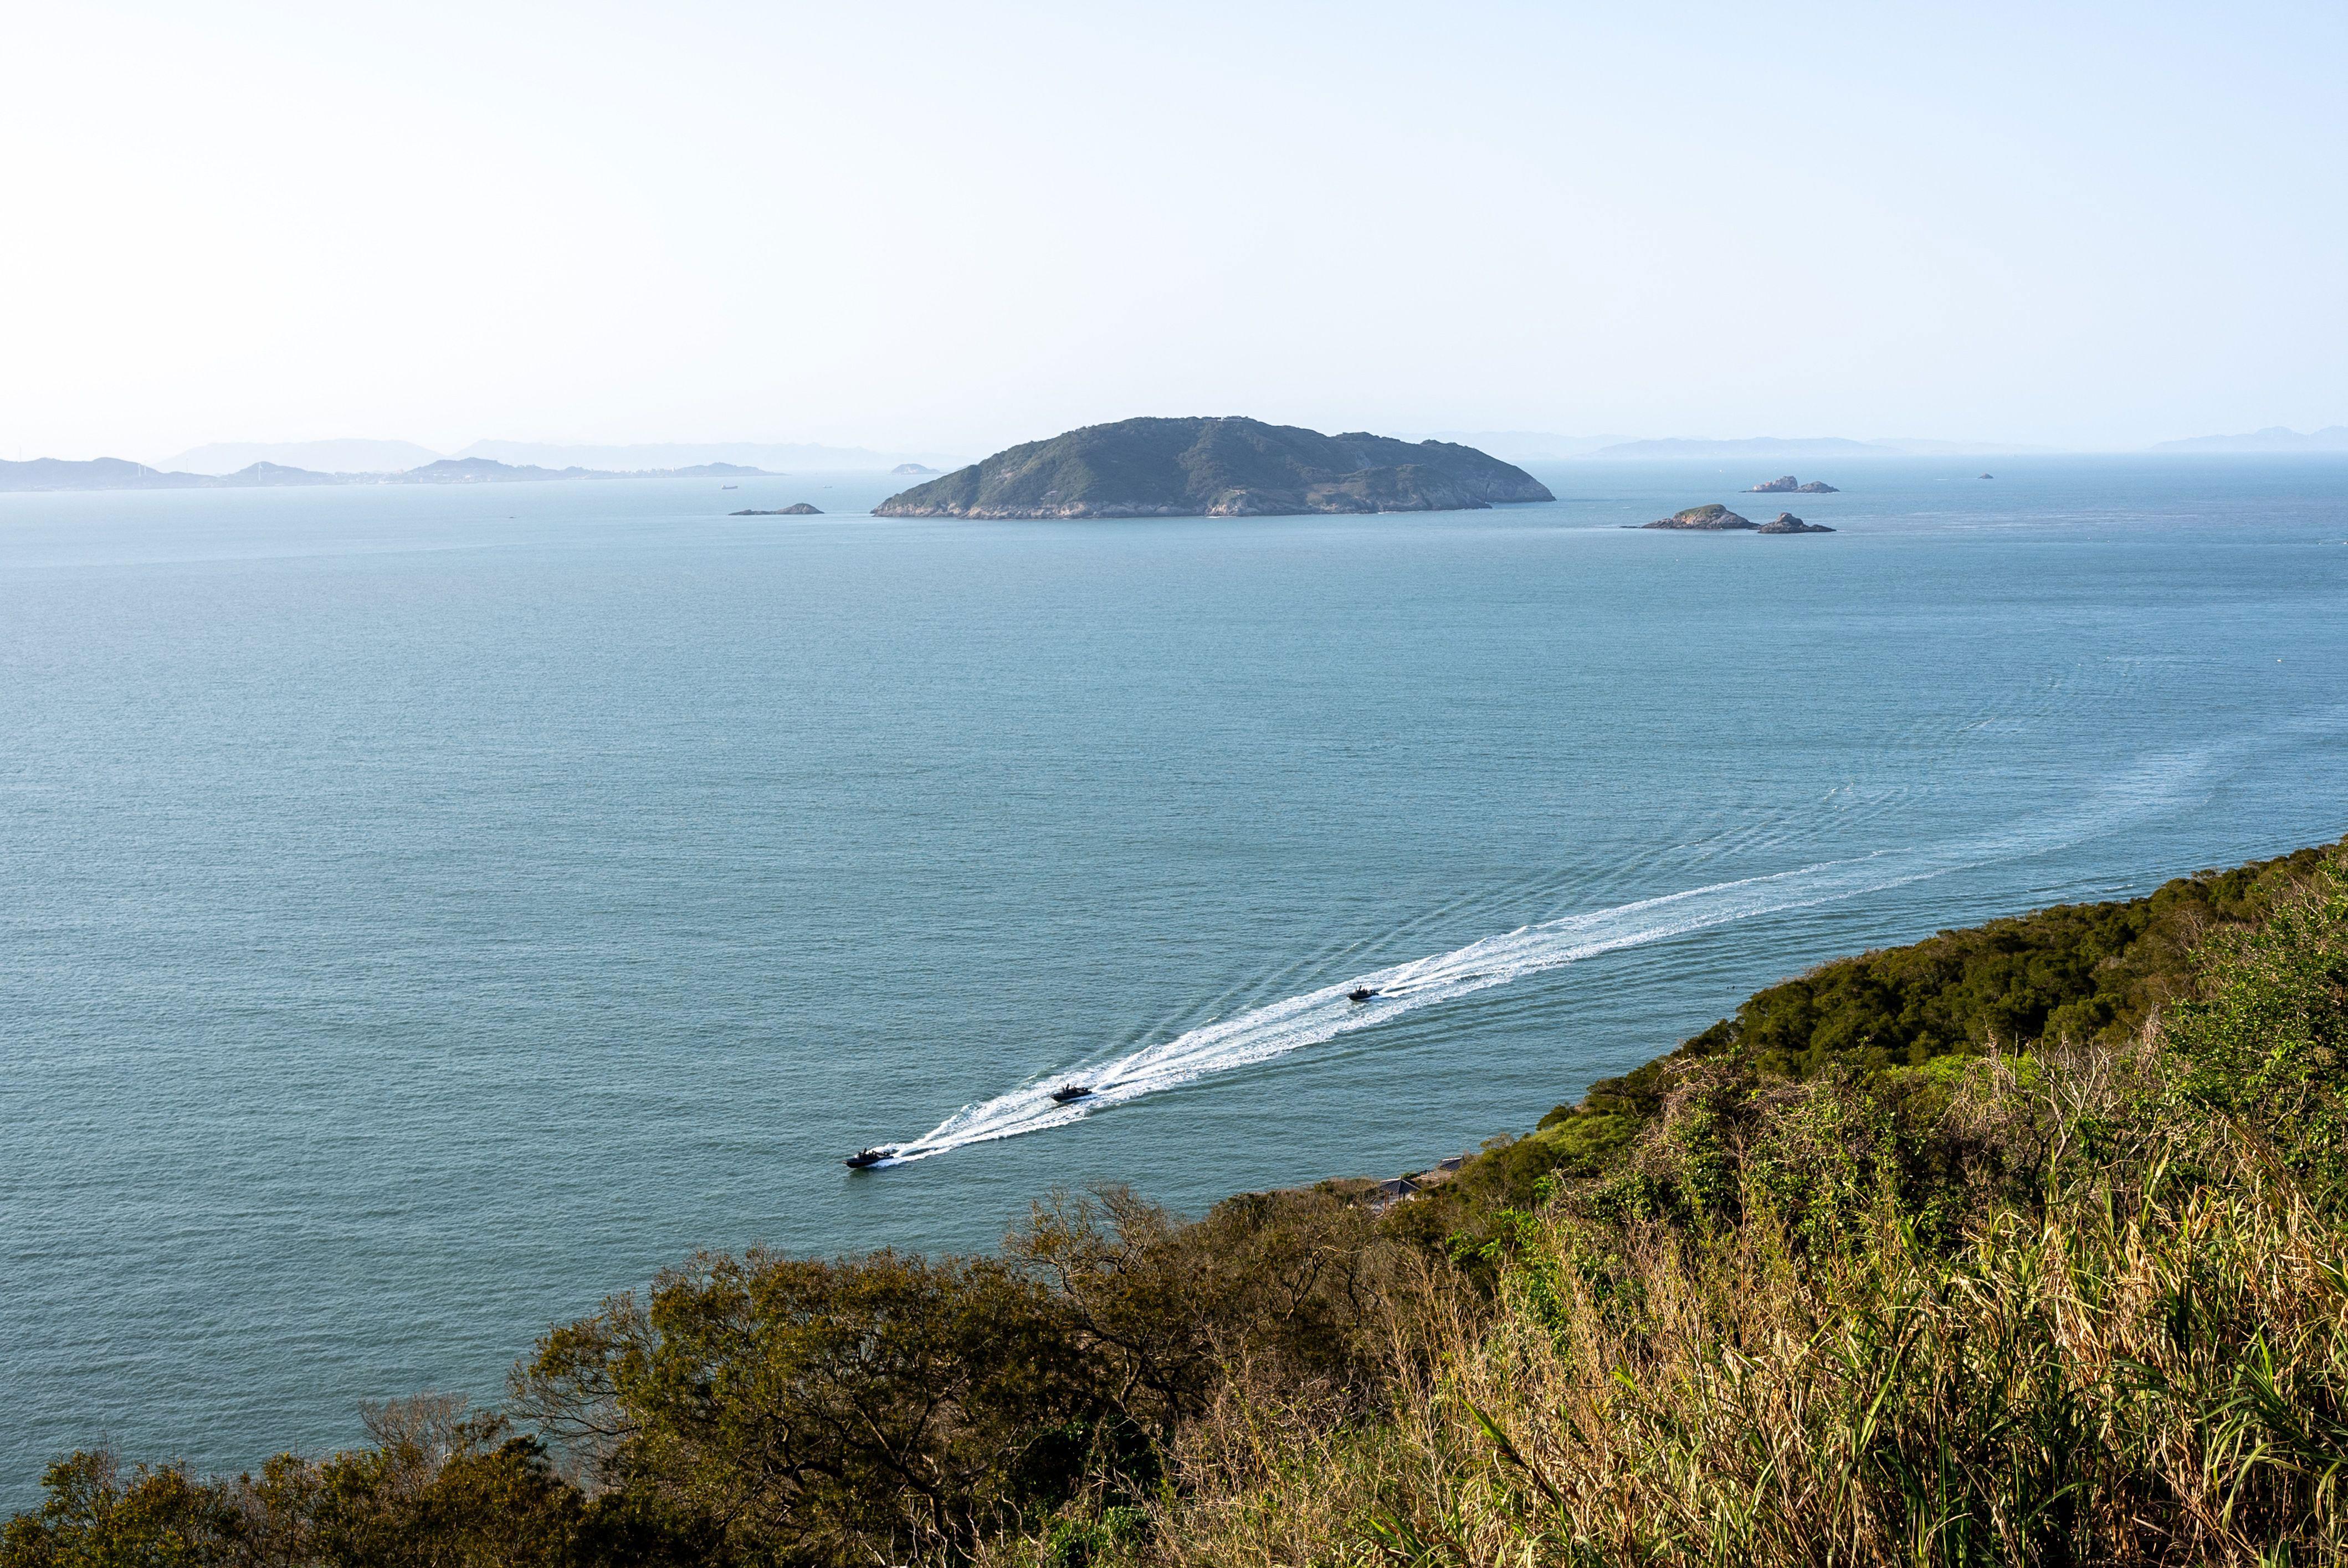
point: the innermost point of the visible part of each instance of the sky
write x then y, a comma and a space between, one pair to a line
951, 227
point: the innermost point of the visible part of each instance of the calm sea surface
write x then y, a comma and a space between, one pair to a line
424, 912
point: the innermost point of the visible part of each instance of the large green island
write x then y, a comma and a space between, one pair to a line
1217, 468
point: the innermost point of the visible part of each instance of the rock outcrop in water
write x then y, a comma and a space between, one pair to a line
1217, 468
795, 510
1786, 483
1715, 519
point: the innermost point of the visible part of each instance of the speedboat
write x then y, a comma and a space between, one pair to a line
864, 1159
1361, 993
1067, 1092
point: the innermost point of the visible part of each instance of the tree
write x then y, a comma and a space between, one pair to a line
95, 1516
875, 1408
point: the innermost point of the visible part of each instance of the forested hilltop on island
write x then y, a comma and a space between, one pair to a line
1227, 468
2026, 1244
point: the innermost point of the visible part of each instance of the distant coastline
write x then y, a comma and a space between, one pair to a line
267, 465
50, 474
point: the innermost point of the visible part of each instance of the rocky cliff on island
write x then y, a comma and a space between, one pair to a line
1715, 519
1786, 483
1217, 468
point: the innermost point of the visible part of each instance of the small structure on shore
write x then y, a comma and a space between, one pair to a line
1384, 1196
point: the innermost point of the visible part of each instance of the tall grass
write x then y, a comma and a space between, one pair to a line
2143, 1362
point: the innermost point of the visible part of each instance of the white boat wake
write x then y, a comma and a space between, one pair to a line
1276, 1029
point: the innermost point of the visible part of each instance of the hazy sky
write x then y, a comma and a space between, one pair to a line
958, 225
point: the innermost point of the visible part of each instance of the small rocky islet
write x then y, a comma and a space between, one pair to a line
1716, 518
1713, 518
1787, 485
795, 510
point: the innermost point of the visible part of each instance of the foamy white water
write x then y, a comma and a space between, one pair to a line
1315, 1016
1323, 1015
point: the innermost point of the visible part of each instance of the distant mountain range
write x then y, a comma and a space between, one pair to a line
319, 457
1531, 446
647, 457
2273, 438
116, 473
1541, 446
1522, 446
251, 465
224, 458
1771, 447
477, 470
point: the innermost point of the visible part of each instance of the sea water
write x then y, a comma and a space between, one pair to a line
425, 911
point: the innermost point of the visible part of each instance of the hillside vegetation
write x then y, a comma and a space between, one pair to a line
2024, 1243
1217, 469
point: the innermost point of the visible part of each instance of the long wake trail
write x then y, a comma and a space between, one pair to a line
1276, 1029
1314, 1017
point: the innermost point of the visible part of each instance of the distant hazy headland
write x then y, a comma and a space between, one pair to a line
116, 473
368, 456
1217, 468
242, 464
2273, 438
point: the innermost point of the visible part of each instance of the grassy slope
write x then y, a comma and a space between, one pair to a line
1189, 466
1881, 1296
2091, 973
